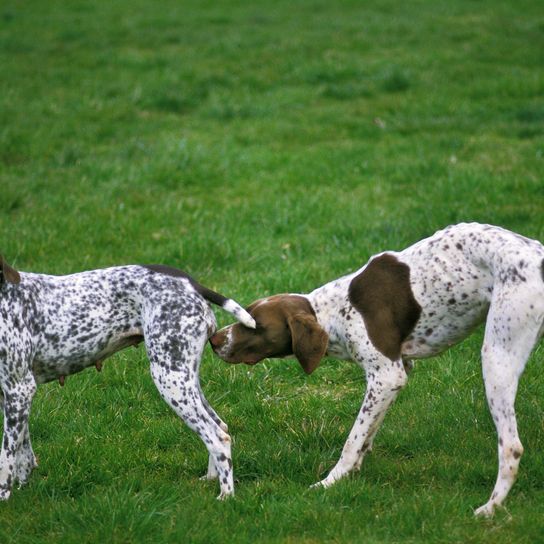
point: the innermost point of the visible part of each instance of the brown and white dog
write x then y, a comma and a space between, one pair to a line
408, 305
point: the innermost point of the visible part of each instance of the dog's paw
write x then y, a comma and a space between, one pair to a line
25, 464
320, 485
224, 495
22, 473
485, 511
5, 492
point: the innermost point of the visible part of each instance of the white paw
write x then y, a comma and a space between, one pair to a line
323, 483
224, 495
485, 511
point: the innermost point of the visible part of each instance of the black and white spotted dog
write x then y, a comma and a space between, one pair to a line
53, 326
408, 305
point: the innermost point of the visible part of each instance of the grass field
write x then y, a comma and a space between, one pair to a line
268, 147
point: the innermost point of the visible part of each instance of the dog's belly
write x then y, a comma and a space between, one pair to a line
49, 365
434, 333
454, 294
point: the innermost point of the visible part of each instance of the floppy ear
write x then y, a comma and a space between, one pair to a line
309, 340
7, 273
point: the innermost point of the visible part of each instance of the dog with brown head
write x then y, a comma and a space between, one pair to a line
286, 325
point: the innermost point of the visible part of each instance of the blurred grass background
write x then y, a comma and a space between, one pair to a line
267, 148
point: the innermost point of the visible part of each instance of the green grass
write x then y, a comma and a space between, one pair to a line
268, 147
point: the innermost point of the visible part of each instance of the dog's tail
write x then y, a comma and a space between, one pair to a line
228, 304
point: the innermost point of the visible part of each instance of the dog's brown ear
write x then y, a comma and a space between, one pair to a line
7, 273
309, 340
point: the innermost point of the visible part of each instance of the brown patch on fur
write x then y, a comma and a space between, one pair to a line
9, 274
382, 294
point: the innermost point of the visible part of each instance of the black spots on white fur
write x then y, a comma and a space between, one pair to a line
511, 274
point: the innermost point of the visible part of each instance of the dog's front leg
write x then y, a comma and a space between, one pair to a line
17, 400
26, 460
385, 379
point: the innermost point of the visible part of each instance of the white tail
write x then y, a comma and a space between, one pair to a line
239, 313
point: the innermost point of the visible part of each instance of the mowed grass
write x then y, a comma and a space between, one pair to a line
268, 147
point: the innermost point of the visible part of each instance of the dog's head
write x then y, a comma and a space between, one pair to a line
286, 325
8, 273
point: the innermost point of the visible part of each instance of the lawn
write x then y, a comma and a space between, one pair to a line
268, 147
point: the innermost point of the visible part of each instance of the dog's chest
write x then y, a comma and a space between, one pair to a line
334, 312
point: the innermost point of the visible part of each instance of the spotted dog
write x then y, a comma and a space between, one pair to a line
54, 326
408, 305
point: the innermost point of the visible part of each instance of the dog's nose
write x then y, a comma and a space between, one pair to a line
215, 340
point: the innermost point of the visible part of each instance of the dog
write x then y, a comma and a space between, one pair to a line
54, 326
407, 305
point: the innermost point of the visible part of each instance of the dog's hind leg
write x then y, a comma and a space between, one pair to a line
509, 340
211, 473
175, 360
